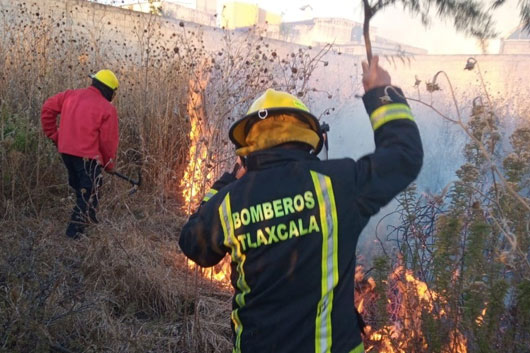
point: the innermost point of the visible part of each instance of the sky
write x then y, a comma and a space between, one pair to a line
438, 38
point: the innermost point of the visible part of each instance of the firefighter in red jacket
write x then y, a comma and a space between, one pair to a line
87, 139
291, 222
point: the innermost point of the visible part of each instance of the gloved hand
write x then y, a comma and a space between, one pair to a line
239, 168
375, 76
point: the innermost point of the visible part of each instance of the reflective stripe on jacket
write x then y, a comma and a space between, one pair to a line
88, 125
291, 226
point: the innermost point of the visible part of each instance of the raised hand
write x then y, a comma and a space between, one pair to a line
374, 75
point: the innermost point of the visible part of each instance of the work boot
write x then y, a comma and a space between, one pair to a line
76, 226
92, 215
74, 230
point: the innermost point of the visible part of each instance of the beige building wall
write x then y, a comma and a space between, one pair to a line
515, 46
144, 6
321, 30
518, 42
240, 15
338, 29
272, 18
188, 14
345, 35
208, 6
176, 11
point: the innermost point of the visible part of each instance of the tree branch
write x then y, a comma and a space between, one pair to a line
368, 14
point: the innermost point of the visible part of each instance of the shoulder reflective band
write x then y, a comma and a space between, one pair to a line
390, 112
232, 243
330, 270
209, 195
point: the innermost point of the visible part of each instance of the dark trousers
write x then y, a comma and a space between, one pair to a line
84, 176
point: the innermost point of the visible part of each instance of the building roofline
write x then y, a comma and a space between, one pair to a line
316, 19
515, 30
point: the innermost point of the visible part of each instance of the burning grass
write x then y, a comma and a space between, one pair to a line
409, 302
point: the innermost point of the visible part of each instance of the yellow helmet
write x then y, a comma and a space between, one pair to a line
108, 78
273, 103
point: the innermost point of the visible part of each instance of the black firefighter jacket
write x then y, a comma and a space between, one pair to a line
291, 225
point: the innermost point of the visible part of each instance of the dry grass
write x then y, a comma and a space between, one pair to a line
124, 288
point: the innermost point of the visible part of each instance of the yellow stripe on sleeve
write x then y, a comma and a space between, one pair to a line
390, 112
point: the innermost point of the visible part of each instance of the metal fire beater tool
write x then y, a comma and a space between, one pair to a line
135, 183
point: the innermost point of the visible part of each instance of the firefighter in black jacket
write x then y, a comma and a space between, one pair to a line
291, 222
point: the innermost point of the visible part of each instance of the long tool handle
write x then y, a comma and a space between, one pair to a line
125, 177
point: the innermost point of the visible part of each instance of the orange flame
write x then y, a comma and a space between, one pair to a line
410, 297
219, 274
480, 319
198, 174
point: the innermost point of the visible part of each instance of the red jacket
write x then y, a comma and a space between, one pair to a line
88, 125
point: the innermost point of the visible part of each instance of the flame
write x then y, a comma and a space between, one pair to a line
480, 319
197, 173
408, 299
219, 273
458, 343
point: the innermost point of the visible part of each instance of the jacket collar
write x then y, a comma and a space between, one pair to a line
101, 91
274, 157
95, 90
